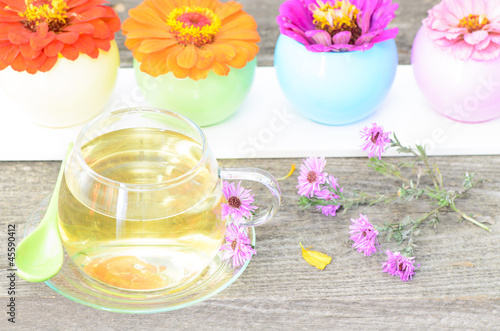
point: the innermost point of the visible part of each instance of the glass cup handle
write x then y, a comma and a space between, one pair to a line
260, 176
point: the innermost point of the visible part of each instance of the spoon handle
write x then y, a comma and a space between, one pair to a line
55, 194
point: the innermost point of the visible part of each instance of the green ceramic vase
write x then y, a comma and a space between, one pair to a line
206, 101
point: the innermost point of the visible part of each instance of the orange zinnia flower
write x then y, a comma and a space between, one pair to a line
34, 33
190, 37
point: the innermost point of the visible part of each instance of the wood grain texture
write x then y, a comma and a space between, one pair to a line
456, 287
279, 290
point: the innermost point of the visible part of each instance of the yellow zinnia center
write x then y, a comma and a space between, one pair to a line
193, 25
342, 16
473, 22
52, 12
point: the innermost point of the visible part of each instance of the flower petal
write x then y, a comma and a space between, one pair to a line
28, 52
205, 59
70, 52
228, 9
475, 37
67, 37
86, 28
321, 37
155, 45
9, 53
316, 259
147, 16
18, 64
342, 38
85, 44
54, 48
188, 57
19, 35
220, 69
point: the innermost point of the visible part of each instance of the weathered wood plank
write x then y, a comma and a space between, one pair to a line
279, 290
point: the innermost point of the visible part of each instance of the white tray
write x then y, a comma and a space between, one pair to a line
266, 126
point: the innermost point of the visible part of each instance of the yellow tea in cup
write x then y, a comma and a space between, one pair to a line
140, 202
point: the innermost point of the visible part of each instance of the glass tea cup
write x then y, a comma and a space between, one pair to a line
140, 201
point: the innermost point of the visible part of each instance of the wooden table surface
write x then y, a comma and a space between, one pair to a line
457, 285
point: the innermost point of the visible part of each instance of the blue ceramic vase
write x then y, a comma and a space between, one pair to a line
335, 88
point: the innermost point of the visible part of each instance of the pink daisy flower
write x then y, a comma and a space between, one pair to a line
467, 29
376, 140
311, 176
398, 265
239, 202
364, 235
238, 246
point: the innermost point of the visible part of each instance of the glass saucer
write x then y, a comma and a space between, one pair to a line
75, 285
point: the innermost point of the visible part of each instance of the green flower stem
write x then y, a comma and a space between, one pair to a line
468, 218
426, 216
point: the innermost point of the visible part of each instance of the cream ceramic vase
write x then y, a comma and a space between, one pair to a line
72, 92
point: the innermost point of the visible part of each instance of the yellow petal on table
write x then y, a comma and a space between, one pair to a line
316, 259
292, 170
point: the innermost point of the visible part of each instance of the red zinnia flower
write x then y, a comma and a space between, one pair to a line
34, 33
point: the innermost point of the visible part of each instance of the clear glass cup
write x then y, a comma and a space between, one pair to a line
140, 203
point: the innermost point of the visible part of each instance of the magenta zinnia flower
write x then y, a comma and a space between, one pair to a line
376, 140
311, 176
467, 29
237, 246
398, 265
239, 202
337, 25
364, 235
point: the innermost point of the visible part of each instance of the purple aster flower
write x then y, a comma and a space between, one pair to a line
333, 182
337, 25
330, 210
239, 202
364, 235
311, 176
376, 140
325, 194
398, 265
238, 246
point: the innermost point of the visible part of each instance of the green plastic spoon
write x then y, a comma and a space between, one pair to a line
40, 255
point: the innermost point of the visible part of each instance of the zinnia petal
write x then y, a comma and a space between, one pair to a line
54, 48
19, 35
221, 69
70, 52
85, 44
155, 45
475, 37
18, 64
28, 52
188, 57
68, 37
321, 37
342, 37
205, 59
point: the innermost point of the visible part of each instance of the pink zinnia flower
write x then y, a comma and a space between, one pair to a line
237, 246
398, 265
311, 176
468, 29
364, 235
337, 25
376, 140
239, 202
